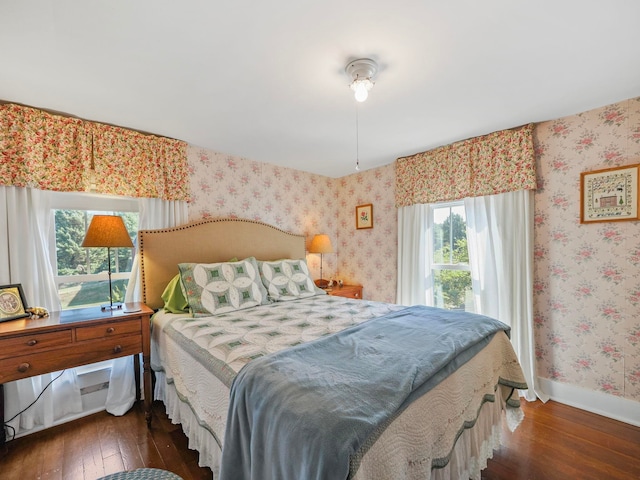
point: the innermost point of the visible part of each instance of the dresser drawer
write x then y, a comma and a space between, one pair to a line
348, 291
108, 330
59, 359
12, 347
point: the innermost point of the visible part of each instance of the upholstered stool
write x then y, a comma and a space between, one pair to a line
143, 474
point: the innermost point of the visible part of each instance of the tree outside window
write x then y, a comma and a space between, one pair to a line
450, 258
82, 277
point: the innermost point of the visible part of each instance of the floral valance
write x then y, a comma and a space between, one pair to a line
496, 163
54, 152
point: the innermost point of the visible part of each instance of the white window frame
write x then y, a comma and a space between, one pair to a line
442, 266
85, 201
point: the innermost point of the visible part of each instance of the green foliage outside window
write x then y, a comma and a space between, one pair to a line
451, 286
73, 259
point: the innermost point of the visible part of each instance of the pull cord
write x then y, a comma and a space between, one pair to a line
357, 141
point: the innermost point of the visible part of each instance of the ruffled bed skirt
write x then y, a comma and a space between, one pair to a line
475, 445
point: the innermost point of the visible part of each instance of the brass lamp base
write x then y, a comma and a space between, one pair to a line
322, 283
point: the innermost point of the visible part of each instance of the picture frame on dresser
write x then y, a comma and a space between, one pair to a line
12, 302
610, 194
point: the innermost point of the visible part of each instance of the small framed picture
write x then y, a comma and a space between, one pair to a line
364, 216
610, 195
12, 303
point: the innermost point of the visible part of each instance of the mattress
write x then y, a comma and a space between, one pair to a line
448, 432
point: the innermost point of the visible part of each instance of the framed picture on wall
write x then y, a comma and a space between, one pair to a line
12, 303
364, 216
610, 195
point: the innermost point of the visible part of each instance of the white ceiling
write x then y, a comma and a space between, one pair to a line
265, 79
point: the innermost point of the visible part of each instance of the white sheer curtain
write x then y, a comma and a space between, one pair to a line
25, 218
414, 287
154, 213
500, 241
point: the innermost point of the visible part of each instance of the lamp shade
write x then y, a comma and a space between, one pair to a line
107, 231
321, 244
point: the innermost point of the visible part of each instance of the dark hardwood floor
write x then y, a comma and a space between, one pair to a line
554, 442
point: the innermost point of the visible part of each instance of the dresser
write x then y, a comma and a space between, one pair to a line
71, 338
348, 291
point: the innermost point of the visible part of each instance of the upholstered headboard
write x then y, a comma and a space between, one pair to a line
208, 241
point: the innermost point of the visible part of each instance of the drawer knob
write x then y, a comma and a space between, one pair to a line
31, 343
117, 349
23, 367
111, 330
356, 295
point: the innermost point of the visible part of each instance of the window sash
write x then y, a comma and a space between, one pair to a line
451, 208
87, 202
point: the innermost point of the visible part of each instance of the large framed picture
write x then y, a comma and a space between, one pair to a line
610, 195
12, 303
364, 216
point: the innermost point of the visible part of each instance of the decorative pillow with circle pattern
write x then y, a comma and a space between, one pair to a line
288, 280
213, 288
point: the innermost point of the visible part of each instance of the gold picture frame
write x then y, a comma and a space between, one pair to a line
12, 303
610, 194
364, 216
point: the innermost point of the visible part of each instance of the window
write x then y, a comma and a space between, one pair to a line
81, 273
450, 258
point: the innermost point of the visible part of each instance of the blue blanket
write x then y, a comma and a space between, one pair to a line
303, 412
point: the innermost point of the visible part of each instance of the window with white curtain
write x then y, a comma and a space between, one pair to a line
450, 271
81, 273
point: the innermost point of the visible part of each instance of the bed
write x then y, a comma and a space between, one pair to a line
448, 431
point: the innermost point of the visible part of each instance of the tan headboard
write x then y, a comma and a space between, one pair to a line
208, 241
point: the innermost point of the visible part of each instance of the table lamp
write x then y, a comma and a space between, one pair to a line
321, 244
107, 231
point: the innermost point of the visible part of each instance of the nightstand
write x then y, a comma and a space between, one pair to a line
71, 338
348, 291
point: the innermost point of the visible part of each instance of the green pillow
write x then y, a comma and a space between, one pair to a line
174, 301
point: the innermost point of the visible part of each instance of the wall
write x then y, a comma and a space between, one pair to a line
587, 277
368, 257
294, 201
304, 203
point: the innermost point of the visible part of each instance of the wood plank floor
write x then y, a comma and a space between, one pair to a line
554, 442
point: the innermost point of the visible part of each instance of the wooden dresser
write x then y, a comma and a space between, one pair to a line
349, 291
71, 338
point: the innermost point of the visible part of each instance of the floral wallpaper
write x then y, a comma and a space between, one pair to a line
369, 257
295, 201
304, 203
587, 277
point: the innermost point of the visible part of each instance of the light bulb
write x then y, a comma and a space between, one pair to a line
361, 91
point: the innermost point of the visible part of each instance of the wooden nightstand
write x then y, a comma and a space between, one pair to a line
349, 291
71, 338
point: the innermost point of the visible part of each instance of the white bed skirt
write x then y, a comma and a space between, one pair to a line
469, 456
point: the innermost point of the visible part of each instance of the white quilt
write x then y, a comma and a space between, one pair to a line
196, 358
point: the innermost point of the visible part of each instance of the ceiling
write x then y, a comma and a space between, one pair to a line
265, 79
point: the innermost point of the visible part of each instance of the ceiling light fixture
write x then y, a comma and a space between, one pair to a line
362, 71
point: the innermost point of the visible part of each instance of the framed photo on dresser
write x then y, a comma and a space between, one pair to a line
12, 302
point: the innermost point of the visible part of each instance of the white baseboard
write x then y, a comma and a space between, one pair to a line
611, 406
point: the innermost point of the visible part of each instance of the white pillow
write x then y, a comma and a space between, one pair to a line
288, 280
212, 288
